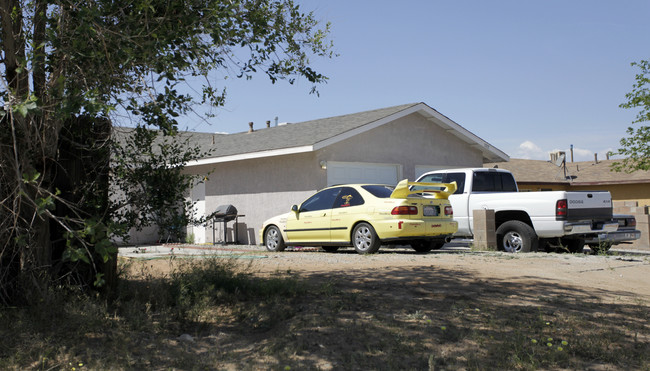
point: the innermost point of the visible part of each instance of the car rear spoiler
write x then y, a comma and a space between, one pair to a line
405, 189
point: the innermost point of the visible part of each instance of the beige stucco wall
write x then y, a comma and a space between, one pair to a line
409, 141
262, 188
259, 189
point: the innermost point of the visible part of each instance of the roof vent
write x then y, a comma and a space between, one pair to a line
250, 127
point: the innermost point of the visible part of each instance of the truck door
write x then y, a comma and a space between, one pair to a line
485, 183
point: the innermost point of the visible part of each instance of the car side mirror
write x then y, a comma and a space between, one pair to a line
294, 208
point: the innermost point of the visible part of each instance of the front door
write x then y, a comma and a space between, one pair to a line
311, 223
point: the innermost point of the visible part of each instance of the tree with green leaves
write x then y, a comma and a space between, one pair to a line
149, 186
68, 67
635, 149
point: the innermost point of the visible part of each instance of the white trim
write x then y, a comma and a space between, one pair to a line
252, 155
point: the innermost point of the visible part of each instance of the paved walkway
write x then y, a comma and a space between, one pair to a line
179, 250
165, 251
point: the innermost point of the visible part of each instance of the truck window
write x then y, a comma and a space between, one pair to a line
459, 178
508, 182
492, 181
432, 178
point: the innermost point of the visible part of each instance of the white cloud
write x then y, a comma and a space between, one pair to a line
531, 151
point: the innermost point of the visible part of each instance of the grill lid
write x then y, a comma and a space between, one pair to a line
225, 213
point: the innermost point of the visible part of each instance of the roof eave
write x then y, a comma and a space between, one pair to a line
250, 156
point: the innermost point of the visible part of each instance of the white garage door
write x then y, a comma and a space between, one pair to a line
358, 172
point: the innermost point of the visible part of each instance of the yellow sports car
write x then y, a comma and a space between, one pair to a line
366, 216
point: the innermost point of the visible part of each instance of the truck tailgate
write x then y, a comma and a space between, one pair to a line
589, 205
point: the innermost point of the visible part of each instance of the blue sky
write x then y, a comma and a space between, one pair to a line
529, 77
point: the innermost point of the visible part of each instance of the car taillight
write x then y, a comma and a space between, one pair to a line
449, 211
404, 210
631, 222
561, 210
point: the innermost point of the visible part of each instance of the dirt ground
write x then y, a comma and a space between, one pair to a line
618, 275
448, 309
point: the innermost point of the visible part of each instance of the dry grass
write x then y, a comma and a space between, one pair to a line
416, 319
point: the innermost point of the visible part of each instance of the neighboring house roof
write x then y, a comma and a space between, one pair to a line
312, 135
577, 173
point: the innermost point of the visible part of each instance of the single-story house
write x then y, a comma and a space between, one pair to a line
264, 171
630, 191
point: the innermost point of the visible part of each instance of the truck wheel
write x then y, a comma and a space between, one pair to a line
574, 245
516, 236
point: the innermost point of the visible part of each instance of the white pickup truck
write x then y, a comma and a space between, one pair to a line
526, 221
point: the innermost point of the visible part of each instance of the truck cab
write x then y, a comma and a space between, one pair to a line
526, 220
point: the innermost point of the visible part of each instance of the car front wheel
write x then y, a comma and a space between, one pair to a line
273, 239
365, 239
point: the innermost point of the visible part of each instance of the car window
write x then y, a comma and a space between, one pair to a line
321, 200
379, 191
459, 178
348, 197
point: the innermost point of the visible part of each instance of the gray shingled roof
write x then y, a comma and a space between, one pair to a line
293, 135
579, 173
310, 133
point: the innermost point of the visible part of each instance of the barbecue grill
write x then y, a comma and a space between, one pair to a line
224, 214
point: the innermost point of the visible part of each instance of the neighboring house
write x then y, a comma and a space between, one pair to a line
265, 171
630, 191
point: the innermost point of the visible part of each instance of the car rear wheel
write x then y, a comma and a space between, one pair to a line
365, 239
273, 239
516, 236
